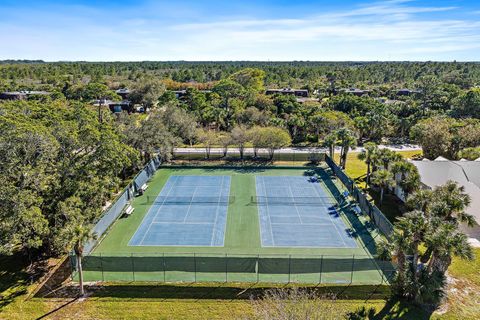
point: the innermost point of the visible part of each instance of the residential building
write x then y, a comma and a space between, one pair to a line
465, 173
355, 91
407, 92
21, 95
123, 92
288, 91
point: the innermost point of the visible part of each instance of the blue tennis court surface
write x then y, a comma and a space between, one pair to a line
295, 212
189, 211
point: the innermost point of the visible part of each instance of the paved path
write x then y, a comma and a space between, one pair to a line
404, 147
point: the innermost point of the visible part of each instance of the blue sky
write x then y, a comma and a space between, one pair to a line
240, 30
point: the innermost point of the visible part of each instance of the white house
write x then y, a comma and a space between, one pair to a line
465, 173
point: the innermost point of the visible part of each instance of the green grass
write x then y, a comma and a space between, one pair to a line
186, 301
464, 290
204, 301
356, 169
242, 238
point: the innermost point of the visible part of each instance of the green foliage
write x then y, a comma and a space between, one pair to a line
250, 79
443, 136
91, 91
433, 224
59, 167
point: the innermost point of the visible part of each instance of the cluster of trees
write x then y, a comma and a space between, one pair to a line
310, 75
425, 240
270, 138
222, 95
387, 169
60, 166
448, 137
62, 160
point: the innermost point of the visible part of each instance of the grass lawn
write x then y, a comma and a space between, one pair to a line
464, 289
199, 301
212, 301
357, 170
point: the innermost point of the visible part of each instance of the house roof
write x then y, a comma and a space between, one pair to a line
289, 90
465, 173
26, 92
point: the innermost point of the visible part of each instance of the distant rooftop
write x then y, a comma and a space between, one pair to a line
296, 92
24, 92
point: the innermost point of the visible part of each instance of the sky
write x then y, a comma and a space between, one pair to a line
228, 30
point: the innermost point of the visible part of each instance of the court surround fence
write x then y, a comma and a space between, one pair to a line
377, 216
118, 205
197, 267
299, 155
261, 268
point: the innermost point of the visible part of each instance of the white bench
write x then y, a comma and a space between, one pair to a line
129, 210
142, 189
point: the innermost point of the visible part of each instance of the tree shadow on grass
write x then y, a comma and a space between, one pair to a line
15, 277
400, 309
214, 291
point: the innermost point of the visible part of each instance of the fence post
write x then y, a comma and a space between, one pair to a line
195, 267
289, 266
257, 268
164, 268
101, 266
353, 264
133, 266
321, 269
226, 267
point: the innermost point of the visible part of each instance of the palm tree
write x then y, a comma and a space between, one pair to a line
383, 179
347, 140
420, 200
330, 141
446, 241
385, 156
450, 203
413, 226
409, 176
81, 235
367, 154
433, 225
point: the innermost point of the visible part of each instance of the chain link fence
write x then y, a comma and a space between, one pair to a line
377, 216
203, 267
118, 205
294, 156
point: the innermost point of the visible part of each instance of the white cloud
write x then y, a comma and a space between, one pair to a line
386, 30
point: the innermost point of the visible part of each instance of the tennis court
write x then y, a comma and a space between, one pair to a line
189, 211
180, 231
299, 212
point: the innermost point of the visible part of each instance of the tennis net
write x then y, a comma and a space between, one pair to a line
171, 200
314, 201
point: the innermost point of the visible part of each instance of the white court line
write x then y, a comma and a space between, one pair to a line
190, 205
308, 224
156, 213
176, 222
216, 211
266, 209
334, 225
296, 209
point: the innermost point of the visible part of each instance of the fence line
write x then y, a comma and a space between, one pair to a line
298, 155
376, 215
116, 208
272, 268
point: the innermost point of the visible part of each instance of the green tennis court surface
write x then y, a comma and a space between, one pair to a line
242, 258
